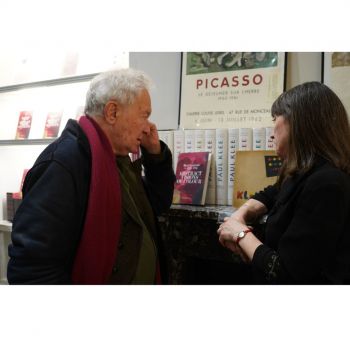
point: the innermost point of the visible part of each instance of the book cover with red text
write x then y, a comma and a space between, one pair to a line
52, 124
18, 195
24, 124
192, 173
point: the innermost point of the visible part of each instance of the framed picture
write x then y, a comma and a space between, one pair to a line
230, 89
336, 75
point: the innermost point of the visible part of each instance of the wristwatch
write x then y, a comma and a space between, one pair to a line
241, 235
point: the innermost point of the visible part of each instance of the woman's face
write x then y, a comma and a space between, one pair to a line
281, 136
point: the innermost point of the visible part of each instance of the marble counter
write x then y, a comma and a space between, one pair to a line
193, 252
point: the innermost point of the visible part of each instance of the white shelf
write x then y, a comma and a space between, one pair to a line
5, 239
26, 142
5, 226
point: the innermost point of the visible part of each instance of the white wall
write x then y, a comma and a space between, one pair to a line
303, 67
165, 70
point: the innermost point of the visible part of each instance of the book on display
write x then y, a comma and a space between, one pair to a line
192, 173
24, 124
52, 124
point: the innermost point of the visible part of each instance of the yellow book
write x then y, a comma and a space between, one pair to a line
254, 171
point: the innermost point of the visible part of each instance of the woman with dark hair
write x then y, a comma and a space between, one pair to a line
307, 233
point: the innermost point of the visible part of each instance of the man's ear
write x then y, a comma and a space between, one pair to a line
111, 111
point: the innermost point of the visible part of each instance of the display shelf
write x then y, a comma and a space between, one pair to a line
26, 142
5, 226
51, 82
64, 98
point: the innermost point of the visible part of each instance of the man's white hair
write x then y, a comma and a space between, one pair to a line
122, 85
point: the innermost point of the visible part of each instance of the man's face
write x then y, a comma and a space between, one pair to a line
132, 123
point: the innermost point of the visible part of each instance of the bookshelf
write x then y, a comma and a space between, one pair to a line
26, 142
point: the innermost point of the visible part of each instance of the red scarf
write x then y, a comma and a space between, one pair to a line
97, 249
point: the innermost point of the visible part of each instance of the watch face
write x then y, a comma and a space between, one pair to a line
241, 234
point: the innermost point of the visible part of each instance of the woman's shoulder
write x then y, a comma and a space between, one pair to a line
328, 175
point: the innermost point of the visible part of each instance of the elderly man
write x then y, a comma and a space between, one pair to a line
88, 216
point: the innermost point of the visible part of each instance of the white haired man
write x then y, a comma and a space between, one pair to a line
88, 216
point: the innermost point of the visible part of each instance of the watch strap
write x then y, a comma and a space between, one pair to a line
242, 234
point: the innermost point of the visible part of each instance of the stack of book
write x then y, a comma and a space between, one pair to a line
13, 201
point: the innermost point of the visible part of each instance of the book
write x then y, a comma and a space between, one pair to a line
14, 199
190, 141
167, 136
192, 173
179, 145
221, 166
24, 124
24, 174
269, 138
259, 139
18, 195
210, 146
52, 124
255, 170
12, 204
199, 140
245, 139
233, 138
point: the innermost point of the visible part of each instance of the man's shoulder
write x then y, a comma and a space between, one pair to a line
70, 148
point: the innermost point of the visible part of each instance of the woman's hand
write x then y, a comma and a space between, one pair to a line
227, 236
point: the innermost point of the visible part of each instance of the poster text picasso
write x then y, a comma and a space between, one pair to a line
230, 90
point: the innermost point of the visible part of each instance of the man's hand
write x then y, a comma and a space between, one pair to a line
150, 141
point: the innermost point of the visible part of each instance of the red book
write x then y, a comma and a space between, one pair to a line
24, 124
52, 124
18, 195
192, 173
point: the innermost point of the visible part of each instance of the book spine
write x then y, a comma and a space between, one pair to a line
210, 146
179, 145
167, 136
259, 139
199, 140
161, 135
269, 138
206, 179
221, 166
189, 141
232, 146
245, 139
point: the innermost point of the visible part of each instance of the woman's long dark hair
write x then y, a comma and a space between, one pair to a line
319, 126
